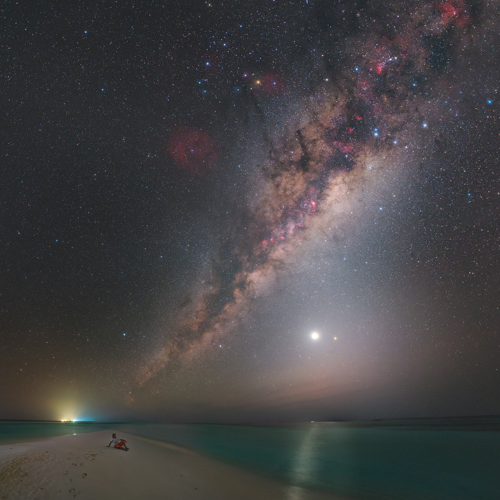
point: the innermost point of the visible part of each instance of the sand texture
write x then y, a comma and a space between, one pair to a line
82, 467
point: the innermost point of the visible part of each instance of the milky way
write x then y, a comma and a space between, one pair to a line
190, 189
335, 149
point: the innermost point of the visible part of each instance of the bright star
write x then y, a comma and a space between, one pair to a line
315, 335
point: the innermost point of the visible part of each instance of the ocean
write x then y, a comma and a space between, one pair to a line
428, 459
15, 430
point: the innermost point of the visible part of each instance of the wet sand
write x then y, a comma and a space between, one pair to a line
82, 466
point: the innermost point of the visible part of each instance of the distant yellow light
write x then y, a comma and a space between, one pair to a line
258, 82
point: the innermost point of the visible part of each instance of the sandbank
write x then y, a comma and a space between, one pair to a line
66, 467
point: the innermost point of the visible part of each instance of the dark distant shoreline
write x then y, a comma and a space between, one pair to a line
353, 422
332, 421
59, 422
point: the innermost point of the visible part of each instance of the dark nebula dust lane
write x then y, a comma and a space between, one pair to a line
250, 211
386, 81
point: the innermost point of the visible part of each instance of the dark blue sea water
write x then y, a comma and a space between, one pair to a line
412, 460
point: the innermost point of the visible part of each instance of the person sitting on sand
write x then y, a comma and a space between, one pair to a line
118, 443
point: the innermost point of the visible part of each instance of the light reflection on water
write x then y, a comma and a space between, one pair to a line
453, 459
449, 459
303, 465
22, 430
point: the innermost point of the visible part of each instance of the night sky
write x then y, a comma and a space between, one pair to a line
249, 211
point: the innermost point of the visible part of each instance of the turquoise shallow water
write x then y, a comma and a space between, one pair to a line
411, 460
15, 430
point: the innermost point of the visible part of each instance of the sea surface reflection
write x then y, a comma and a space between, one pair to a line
440, 459
413, 460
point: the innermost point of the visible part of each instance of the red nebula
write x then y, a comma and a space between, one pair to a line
379, 67
209, 64
453, 11
193, 149
272, 84
344, 146
364, 84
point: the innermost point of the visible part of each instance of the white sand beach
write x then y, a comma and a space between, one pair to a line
82, 466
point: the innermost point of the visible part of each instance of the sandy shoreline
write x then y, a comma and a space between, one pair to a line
82, 466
